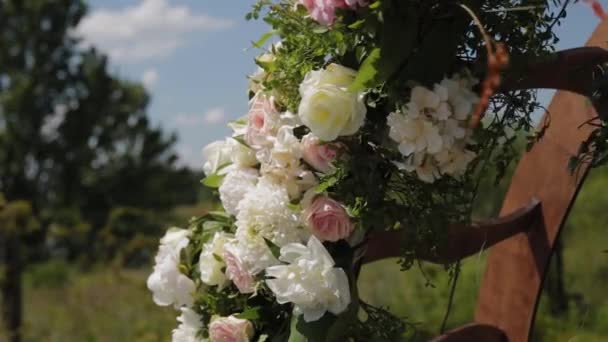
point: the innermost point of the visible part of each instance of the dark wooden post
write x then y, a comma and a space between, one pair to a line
12, 287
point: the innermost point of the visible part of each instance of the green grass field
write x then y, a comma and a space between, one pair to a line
105, 304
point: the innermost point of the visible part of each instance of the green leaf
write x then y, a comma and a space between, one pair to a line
274, 249
217, 258
251, 313
263, 39
375, 4
320, 29
317, 331
220, 215
213, 181
294, 206
357, 24
367, 75
241, 140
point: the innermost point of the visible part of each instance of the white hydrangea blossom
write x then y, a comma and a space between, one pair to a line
432, 129
168, 285
265, 212
210, 261
309, 280
190, 325
237, 183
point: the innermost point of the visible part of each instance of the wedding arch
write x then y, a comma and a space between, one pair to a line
370, 127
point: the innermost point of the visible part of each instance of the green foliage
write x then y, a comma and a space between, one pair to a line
130, 236
54, 274
75, 140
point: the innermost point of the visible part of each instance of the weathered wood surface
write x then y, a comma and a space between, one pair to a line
473, 332
462, 241
516, 267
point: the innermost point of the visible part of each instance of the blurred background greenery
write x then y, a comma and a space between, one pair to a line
89, 186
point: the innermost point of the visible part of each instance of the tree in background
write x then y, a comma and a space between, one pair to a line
75, 140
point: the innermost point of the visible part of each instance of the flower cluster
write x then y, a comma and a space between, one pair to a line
354, 127
432, 130
264, 169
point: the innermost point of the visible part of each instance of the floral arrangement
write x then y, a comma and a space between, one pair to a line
366, 117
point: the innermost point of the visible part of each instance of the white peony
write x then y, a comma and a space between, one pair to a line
190, 325
283, 162
168, 285
309, 280
265, 212
251, 251
210, 262
237, 183
221, 153
328, 108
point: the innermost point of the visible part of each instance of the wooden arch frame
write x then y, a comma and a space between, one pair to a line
538, 202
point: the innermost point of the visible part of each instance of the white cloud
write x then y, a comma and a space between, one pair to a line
211, 117
149, 78
150, 29
215, 115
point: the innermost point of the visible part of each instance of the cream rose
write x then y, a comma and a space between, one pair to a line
327, 219
328, 108
230, 329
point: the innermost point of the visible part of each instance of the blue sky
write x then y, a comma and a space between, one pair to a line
194, 57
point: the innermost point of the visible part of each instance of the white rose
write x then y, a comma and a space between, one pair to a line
309, 280
190, 325
218, 154
167, 283
210, 262
328, 108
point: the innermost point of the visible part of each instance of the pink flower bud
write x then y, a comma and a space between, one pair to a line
259, 120
328, 220
236, 272
230, 329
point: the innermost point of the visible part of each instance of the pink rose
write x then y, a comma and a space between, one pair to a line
259, 120
237, 273
319, 155
354, 3
324, 11
230, 329
328, 220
